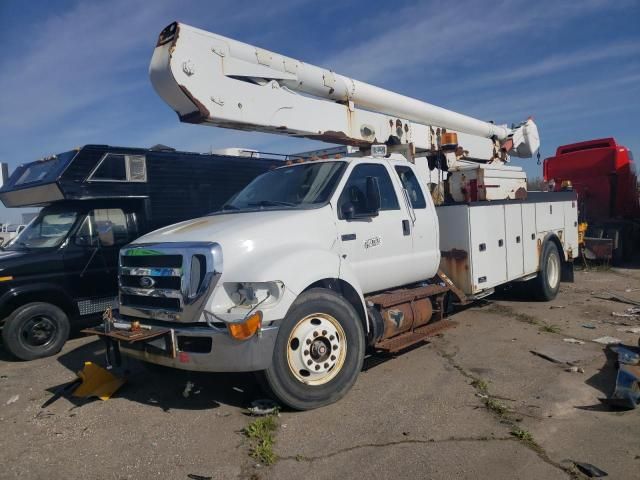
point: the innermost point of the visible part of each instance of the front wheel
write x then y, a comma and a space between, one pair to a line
547, 284
318, 352
35, 330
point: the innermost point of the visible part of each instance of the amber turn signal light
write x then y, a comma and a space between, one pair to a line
247, 328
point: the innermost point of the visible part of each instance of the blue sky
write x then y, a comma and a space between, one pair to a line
76, 72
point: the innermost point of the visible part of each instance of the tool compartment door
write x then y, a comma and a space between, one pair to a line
549, 216
529, 238
488, 249
513, 239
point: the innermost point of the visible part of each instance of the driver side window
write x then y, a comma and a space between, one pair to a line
355, 189
106, 227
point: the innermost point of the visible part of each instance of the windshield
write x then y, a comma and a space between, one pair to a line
303, 185
45, 231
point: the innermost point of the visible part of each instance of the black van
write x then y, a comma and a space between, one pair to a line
63, 267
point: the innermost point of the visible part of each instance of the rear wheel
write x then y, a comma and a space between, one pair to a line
318, 353
547, 284
35, 330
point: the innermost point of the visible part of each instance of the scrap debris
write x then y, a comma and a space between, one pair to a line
629, 329
590, 470
573, 340
187, 389
627, 391
262, 407
607, 340
616, 297
565, 354
632, 312
574, 370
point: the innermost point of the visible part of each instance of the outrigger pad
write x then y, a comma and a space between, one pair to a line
97, 382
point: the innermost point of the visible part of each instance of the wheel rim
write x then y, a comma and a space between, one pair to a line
553, 270
316, 349
39, 331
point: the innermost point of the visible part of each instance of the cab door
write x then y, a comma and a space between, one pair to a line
377, 248
91, 258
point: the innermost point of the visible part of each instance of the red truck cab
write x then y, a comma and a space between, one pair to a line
603, 174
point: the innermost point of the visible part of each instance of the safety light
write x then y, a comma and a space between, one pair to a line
247, 328
6, 279
566, 185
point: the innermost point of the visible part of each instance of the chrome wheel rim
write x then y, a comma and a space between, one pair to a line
316, 349
553, 270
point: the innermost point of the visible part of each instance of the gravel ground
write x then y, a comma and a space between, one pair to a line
472, 403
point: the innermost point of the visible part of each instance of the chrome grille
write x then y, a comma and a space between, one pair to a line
168, 281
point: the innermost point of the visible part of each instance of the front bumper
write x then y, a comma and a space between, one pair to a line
203, 348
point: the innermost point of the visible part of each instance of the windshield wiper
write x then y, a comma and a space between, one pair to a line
229, 207
271, 203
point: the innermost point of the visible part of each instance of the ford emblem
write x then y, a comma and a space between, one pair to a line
147, 282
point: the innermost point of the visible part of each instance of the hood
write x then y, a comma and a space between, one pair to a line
7, 255
29, 262
252, 241
242, 226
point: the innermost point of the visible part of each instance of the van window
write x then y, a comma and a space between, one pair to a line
412, 186
116, 167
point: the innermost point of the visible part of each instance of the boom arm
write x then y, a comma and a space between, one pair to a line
210, 79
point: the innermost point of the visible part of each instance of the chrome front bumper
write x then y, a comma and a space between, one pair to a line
224, 355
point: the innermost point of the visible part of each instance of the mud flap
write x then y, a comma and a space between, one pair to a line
566, 272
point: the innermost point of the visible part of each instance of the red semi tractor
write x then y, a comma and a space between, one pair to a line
604, 175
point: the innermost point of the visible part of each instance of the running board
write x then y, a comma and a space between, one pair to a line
405, 340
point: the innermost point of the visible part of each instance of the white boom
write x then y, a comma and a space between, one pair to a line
210, 79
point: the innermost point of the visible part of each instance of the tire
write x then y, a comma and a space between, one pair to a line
323, 372
35, 330
547, 284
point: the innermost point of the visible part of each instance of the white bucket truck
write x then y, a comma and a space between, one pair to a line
314, 263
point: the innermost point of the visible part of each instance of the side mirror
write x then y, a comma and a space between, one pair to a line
348, 211
373, 196
86, 240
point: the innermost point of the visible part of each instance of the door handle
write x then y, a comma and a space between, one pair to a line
406, 227
348, 236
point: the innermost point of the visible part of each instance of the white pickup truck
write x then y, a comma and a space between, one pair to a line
314, 263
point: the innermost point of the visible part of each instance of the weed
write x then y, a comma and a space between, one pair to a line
526, 318
523, 435
550, 328
480, 385
495, 406
260, 433
506, 311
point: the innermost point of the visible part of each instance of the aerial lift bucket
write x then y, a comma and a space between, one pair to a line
97, 382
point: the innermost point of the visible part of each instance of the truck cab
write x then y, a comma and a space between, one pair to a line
62, 269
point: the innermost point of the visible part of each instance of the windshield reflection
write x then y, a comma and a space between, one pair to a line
45, 231
297, 186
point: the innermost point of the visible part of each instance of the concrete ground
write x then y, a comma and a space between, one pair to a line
472, 403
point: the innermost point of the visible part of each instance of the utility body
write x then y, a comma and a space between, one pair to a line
315, 263
604, 175
63, 268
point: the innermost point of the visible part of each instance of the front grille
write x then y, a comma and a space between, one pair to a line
172, 283
168, 281
146, 302
152, 260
